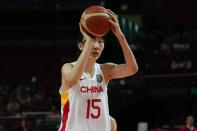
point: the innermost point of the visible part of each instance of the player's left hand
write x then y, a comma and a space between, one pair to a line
115, 27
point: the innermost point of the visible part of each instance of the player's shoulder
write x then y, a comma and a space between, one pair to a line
67, 66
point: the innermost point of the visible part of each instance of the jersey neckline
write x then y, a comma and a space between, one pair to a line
93, 76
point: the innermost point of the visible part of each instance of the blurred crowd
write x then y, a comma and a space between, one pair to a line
168, 40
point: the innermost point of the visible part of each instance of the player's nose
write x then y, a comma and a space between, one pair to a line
96, 45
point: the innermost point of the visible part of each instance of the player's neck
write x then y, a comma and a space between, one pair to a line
90, 68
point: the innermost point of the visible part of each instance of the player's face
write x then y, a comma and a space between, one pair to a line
97, 49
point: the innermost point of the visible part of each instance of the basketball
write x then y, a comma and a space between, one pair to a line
95, 21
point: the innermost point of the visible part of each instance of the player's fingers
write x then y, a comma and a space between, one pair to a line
111, 12
112, 22
81, 29
114, 25
113, 16
83, 32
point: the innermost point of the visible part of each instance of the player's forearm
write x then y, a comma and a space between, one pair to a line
81, 63
131, 63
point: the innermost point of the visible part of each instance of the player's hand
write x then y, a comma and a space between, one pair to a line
115, 27
86, 36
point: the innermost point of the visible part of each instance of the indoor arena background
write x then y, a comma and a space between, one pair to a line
38, 36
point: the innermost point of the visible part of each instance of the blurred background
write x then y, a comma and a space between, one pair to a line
38, 36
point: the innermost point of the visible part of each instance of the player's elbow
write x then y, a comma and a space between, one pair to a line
133, 70
136, 69
71, 82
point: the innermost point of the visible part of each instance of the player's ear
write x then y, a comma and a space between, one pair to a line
80, 45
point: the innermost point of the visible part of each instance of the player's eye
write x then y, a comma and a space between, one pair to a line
101, 41
83, 42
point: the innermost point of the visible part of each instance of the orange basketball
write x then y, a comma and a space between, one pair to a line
95, 21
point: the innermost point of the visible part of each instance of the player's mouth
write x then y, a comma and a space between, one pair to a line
95, 53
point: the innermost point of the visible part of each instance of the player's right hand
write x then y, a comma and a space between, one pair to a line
86, 36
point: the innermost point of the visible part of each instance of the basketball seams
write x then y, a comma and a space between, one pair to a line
86, 16
89, 31
100, 26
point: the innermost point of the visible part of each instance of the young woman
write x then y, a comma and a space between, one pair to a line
84, 100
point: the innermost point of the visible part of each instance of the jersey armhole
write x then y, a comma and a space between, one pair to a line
61, 91
102, 74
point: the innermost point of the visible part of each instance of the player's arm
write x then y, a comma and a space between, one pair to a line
72, 73
111, 70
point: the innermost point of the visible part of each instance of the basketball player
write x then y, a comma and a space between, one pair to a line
84, 100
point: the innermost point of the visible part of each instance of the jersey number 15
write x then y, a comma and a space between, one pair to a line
91, 105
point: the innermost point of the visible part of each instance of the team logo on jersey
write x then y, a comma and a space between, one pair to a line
99, 78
